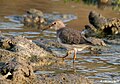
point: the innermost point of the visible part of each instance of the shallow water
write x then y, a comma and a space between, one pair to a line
104, 68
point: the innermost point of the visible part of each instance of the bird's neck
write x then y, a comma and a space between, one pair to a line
60, 29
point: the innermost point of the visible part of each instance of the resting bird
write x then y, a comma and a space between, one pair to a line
69, 38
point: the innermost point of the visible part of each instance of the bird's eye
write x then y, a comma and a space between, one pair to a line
54, 23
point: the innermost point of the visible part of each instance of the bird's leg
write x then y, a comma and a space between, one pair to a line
68, 53
74, 57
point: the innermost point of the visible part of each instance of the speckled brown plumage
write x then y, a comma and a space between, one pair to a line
70, 36
67, 35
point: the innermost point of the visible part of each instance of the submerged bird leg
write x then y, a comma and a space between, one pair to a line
75, 52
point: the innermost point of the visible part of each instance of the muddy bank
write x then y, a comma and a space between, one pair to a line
13, 46
17, 70
64, 79
20, 58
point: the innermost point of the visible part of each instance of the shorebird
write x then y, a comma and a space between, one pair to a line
69, 38
73, 40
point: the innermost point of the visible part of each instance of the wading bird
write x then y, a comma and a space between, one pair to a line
70, 38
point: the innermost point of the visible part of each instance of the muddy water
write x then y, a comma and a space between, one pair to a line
103, 68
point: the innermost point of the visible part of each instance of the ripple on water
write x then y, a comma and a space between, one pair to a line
44, 72
49, 17
111, 60
21, 33
109, 76
105, 68
63, 17
15, 18
10, 25
33, 33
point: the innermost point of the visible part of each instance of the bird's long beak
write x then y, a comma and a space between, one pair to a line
48, 27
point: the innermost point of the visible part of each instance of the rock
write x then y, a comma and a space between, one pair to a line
18, 70
106, 26
96, 41
28, 50
27, 47
47, 44
107, 29
33, 18
96, 19
64, 79
36, 21
5, 76
6, 55
89, 31
34, 12
22, 45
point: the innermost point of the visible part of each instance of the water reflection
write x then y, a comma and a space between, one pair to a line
10, 25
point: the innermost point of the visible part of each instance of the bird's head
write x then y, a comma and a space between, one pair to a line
57, 25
